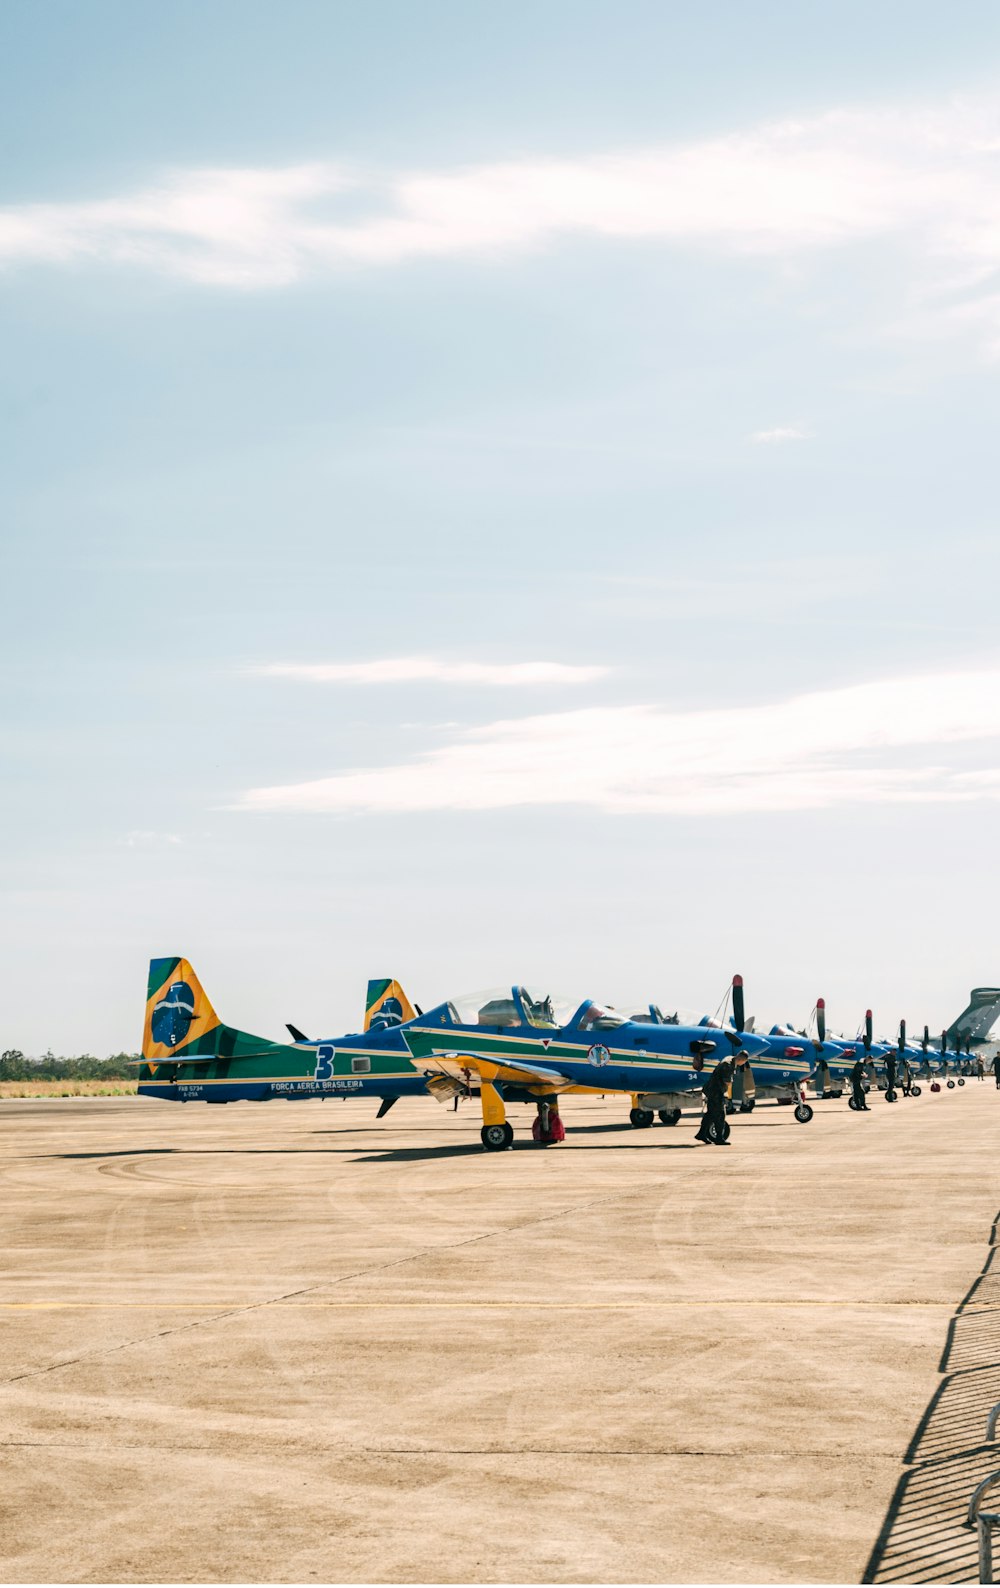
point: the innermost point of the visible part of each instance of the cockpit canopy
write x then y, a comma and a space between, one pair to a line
499, 1007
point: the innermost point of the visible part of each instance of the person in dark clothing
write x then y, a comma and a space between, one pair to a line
857, 1087
906, 1077
714, 1120
890, 1072
995, 1067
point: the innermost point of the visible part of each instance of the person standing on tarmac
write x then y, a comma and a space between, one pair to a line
857, 1089
995, 1067
906, 1077
980, 1068
715, 1105
890, 1072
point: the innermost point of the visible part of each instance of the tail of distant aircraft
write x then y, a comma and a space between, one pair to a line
976, 1022
386, 998
181, 1026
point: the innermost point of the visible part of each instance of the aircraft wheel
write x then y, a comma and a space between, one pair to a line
851, 1103
961, 1080
950, 1085
725, 1134
496, 1138
639, 1118
669, 1116
914, 1091
890, 1097
803, 1113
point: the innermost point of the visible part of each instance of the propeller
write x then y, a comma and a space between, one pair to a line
944, 1042
821, 1020
739, 1014
868, 1031
925, 1040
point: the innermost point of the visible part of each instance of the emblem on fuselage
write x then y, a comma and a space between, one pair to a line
598, 1054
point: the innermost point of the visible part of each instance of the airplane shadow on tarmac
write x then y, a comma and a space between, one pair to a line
473, 1149
923, 1539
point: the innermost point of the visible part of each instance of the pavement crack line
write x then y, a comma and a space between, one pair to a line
307, 1290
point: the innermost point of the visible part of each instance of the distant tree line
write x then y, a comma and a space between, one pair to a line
15, 1067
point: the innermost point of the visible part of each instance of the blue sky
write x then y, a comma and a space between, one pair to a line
654, 345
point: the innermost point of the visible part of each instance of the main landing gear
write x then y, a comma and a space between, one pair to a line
641, 1118
497, 1135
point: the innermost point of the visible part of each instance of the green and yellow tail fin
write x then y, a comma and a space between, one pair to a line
179, 1016
181, 1026
386, 997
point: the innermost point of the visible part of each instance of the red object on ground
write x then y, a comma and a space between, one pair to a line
556, 1131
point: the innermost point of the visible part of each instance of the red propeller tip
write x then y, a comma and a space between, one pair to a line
737, 981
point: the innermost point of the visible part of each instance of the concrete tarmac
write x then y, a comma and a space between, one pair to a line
288, 1343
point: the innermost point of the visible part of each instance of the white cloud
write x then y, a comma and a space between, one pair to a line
811, 751
774, 188
782, 433
416, 669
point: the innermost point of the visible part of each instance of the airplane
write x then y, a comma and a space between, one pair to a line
834, 1057
511, 1042
533, 1045
954, 1074
750, 1083
189, 1054
975, 1022
875, 1057
918, 1058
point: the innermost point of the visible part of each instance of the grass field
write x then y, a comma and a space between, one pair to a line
67, 1088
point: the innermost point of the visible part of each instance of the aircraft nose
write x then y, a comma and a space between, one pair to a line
755, 1044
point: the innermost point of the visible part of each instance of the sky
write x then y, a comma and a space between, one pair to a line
497, 493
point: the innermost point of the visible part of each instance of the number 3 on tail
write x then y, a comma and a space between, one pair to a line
324, 1063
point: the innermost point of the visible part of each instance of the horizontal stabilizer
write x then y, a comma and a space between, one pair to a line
182, 1028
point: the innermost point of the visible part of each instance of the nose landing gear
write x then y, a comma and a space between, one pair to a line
497, 1138
496, 1135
